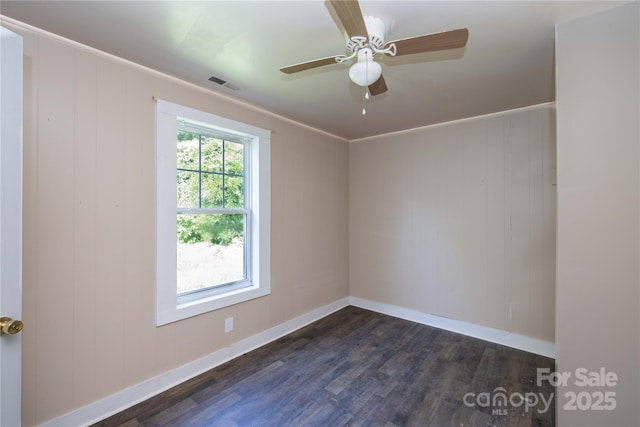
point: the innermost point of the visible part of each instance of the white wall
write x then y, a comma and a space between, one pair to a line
598, 282
458, 220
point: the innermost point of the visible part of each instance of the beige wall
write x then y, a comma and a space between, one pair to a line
89, 228
455, 220
598, 282
458, 220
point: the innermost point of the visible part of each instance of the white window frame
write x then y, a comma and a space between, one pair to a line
170, 308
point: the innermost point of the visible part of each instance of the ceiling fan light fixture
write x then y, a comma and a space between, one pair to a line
366, 71
365, 37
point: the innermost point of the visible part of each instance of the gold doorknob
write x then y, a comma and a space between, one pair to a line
9, 326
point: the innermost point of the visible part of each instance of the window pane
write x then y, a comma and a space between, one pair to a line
210, 250
233, 158
187, 150
233, 191
211, 190
211, 154
187, 184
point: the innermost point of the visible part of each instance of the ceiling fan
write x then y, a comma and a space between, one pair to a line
366, 39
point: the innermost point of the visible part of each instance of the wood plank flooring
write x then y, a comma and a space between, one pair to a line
358, 368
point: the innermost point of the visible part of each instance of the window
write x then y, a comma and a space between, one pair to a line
213, 225
212, 213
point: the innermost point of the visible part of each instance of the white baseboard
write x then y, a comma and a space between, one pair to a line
499, 336
126, 398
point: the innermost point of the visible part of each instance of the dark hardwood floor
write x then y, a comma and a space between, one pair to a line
359, 368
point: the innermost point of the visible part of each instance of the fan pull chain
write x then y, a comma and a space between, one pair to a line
364, 111
366, 88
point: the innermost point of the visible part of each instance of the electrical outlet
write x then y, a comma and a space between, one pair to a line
228, 325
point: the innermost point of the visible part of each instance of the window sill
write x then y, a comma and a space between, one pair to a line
210, 303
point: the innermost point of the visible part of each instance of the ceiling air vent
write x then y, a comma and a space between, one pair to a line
224, 83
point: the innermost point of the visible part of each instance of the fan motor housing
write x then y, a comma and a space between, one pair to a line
375, 29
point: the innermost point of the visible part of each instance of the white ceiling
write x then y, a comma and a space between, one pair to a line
508, 61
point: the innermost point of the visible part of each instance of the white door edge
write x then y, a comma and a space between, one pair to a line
10, 223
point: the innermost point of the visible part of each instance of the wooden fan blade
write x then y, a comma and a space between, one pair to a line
350, 16
378, 87
431, 42
309, 65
